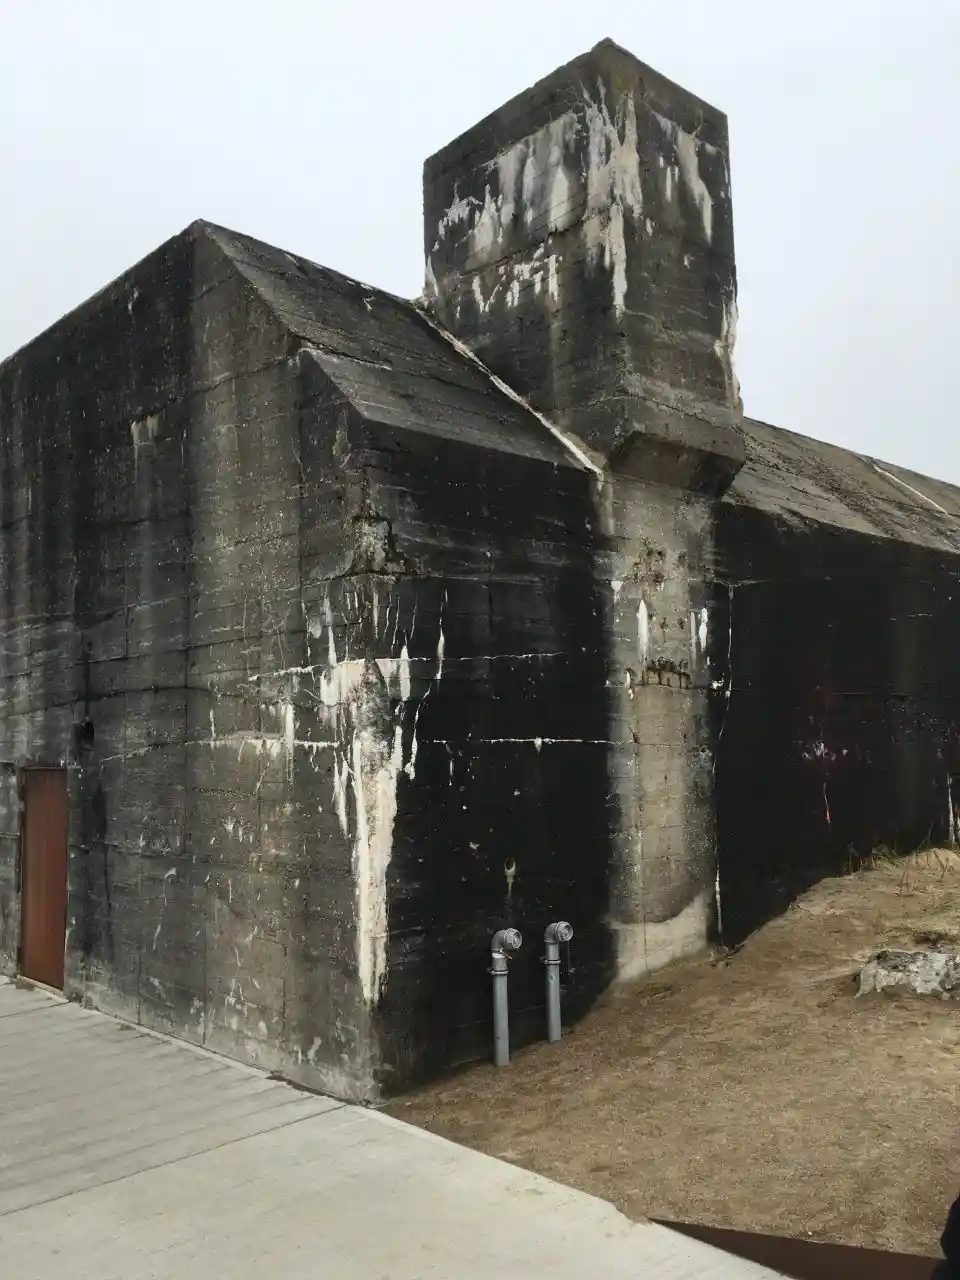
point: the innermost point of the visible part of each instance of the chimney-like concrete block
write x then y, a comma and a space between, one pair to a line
580, 241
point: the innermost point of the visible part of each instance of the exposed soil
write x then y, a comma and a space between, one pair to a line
754, 1091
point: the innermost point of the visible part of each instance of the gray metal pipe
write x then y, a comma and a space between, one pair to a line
502, 945
553, 935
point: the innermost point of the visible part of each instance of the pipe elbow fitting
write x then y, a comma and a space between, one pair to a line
505, 941
560, 931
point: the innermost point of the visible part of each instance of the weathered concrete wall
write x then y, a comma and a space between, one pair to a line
580, 242
838, 704
354, 658
548, 687
503, 741
169, 487
40, 655
657, 546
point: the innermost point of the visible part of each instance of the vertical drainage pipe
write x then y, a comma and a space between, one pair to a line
553, 935
502, 945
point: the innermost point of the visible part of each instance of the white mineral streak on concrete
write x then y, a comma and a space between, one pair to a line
613, 185
687, 149
539, 272
510, 166
430, 279
143, 431
532, 185
400, 668
486, 232
698, 637
575, 449
643, 635
396, 673
725, 347
553, 279
289, 735
548, 190
364, 701
410, 768
910, 489
441, 648
272, 745
562, 190
459, 211
693, 642
341, 777
536, 742
375, 769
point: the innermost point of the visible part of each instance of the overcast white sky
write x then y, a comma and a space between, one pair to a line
306, 124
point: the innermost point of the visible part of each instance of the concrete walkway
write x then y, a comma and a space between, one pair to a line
124, 1154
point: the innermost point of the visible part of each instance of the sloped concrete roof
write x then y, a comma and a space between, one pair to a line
803, 480
398, 369
392, 365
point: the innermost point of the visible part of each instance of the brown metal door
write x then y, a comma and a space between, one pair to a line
43, 902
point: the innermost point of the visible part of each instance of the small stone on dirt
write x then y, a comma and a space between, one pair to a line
925, 973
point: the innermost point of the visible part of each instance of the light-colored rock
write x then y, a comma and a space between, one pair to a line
925, 973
